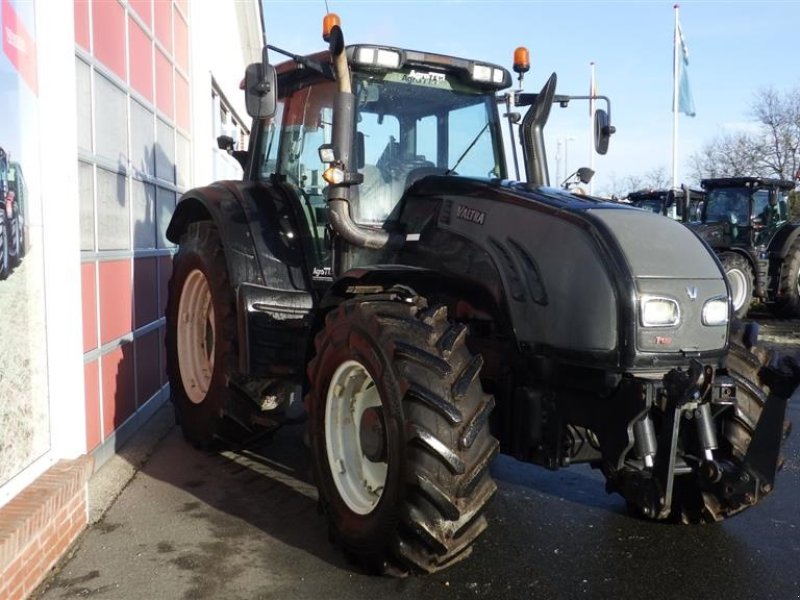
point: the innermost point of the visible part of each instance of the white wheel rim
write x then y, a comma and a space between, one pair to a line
359, 481
738, 283
196, 335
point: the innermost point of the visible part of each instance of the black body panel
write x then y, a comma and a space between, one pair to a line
538, 254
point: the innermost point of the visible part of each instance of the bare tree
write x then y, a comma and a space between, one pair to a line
779, 117
654, 179
772, 150
657, 179
729, 155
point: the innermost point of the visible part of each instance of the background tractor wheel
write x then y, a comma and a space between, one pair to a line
740, 278
201, 334
15, 241
5, 260
399, 434
788, 304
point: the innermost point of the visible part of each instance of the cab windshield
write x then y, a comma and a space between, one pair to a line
410, 124
733, 205
655, 205
729, 205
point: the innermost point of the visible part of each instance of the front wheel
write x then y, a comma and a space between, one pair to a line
399, 434
739, 274
201, 334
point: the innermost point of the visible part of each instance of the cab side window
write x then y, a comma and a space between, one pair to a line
307, 122
268, 155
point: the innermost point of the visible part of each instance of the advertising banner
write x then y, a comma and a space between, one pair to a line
24, 408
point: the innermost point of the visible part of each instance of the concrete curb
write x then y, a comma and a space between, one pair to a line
115, 474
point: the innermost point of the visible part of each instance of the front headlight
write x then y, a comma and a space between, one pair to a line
715, 311
655, 311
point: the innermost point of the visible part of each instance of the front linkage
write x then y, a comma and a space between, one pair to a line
702, 449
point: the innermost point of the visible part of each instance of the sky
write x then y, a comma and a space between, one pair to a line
735, 50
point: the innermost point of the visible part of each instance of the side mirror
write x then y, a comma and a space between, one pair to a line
225, 142
585, 174
260, 90
602, 131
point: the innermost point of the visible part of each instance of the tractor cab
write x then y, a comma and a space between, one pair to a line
750, 209
412, 114
682, 205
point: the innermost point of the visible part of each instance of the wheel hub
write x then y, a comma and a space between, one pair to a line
372, 434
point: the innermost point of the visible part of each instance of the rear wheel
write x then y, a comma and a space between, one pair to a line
201, 334
5, 261
788, 305
739, 274
15, 241
399, 434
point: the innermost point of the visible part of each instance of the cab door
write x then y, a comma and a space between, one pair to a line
303, 123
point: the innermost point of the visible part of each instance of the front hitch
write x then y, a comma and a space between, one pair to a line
682, 396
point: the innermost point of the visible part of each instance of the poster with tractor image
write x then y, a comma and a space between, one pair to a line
24, 404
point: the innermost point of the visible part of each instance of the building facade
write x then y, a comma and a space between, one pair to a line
111, 109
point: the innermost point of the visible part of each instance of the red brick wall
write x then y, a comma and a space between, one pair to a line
40, 524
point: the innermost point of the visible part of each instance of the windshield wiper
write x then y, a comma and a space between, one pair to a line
474, 141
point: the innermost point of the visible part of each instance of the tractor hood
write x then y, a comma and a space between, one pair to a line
599, 262
654, 246
716, 234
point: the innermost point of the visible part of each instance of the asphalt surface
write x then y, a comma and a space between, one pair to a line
244, 525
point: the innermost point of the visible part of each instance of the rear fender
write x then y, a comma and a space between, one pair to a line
265, 269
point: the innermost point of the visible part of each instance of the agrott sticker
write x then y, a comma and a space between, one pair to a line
473, 215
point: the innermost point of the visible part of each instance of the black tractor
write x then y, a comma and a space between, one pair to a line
12, 245
683, 204
376, 261
744, 219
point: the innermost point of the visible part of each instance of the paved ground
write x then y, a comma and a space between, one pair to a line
195, 526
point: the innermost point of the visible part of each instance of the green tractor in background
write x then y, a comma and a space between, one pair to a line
746, 221
683, 205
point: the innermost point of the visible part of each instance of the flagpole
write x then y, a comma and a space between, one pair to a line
591, 123
675, 63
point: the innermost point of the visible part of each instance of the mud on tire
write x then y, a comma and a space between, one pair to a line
425, 500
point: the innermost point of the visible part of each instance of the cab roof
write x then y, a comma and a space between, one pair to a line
752, 182
409, 59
